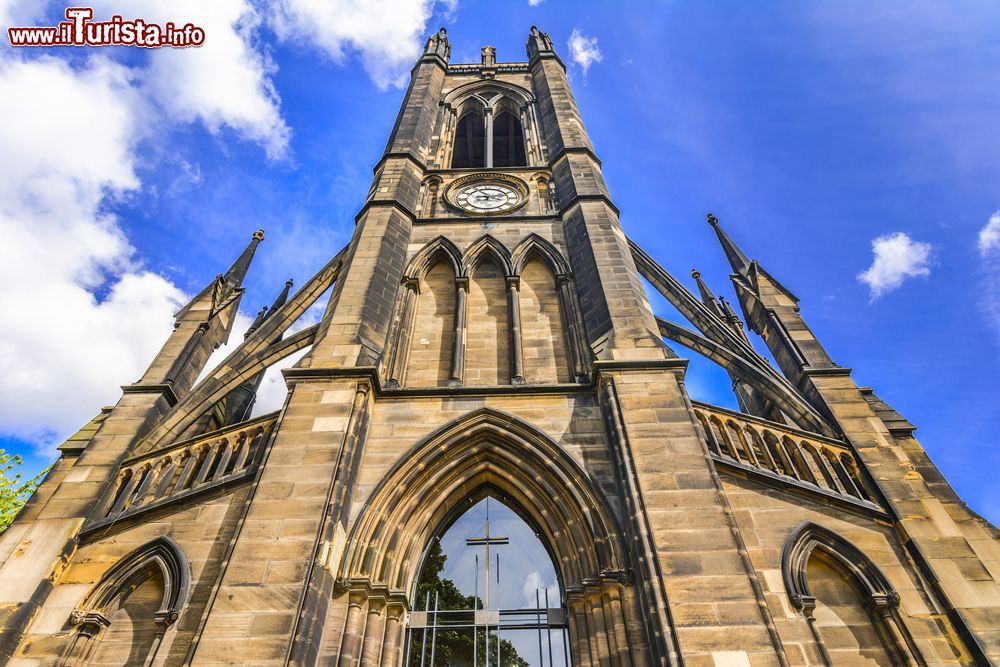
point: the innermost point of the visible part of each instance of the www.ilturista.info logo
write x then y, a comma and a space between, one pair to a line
80, 30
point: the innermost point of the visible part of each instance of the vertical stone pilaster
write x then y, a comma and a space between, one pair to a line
306, 466
461, 332
686, 551
514, 308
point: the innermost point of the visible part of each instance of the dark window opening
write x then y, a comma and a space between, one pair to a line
508, 141
470, 142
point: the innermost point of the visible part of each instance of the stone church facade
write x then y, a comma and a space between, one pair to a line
487, 333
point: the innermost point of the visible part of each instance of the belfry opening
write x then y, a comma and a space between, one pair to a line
488, 593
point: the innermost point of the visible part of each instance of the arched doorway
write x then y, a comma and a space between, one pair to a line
488, 593
432, 484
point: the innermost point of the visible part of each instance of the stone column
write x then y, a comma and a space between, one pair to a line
614, 619
371, 649
488, 119
600, 655
514, 308
577, 622
90, 626
882, 608
458, 356
394, 633
350, 645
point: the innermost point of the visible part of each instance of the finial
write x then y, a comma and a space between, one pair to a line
259, 235
489, 56
289, 283
712, 220
695, 273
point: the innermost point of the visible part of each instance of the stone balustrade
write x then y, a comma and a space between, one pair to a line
188, 466
783, 450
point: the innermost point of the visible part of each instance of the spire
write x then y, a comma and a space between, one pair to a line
282, 297
239, 402
737, 259
257, 321
266, 312
238, 271
706, 295
732, 319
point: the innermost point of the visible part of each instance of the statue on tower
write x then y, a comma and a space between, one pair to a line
438, 44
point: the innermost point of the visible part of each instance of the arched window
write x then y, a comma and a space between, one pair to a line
487, 352
508, 141
488, 593
433, 339
850, 606
470, 142
543, 338
133, 628
123, 619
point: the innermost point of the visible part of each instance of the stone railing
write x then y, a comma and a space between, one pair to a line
188, 466
782, 450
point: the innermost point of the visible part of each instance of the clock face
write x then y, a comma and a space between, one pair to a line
490, 198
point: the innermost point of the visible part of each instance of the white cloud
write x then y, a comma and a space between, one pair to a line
535, 582
224, 82
989, 236
89, 317
535, 3
897, 258
583, 50
83, 317
386, 34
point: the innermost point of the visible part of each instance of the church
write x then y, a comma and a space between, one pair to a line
488, 455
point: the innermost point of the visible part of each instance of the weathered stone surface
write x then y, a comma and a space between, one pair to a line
463, 354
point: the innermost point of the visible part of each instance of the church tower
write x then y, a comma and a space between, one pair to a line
488, 455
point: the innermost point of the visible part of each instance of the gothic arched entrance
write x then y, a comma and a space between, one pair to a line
430, 488
490, 593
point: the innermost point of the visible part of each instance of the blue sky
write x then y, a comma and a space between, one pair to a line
131, 177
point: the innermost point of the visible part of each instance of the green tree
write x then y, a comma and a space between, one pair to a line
454, 646
14, 492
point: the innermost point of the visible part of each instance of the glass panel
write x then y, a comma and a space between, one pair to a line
454, 647
456, 614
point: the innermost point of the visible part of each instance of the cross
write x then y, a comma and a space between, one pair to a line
486, 541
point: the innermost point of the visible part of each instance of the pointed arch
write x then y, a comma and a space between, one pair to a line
163, 554
808, 537
484, 449
534, 246
128, 588
486, 246
816, 549
486, 92
439, 248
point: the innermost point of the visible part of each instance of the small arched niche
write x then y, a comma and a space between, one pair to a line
487, 585
851, 608
433, 339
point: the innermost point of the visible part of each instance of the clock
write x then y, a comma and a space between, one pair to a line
487, 194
